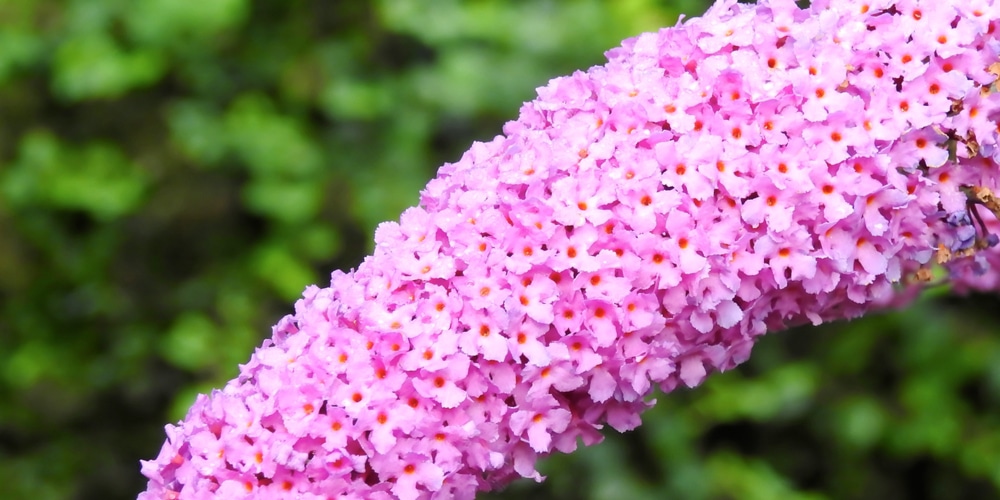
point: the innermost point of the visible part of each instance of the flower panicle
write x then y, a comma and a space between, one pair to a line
640, 225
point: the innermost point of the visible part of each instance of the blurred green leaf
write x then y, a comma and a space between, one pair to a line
29, 364
96, 178
192, 342
782, 392
268, 142
737, 477
198, 132
284, 200
91, 66
168, 22
348, 98
18, 49
280, 269
320, 242
859, 422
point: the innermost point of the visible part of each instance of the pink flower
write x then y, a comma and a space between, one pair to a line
640, 225
541, 418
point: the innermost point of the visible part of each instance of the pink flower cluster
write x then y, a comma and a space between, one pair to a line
639, 225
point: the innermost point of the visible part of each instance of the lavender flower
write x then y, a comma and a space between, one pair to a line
641, 224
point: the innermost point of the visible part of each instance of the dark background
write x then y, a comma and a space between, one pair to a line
171, 177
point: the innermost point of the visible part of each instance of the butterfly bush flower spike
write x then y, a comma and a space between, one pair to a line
640, 225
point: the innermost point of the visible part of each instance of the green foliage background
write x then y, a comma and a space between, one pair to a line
173, 173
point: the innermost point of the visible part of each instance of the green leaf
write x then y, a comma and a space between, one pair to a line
29, 363
92, 66
191, 342
197, 132
784, 391
269, 142
348, 98
859, 422
96, 178
320, 242
284, 200
166, 22
18, 48
283, 271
